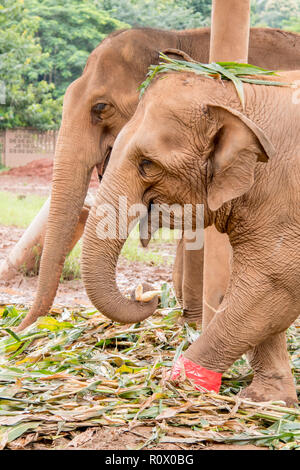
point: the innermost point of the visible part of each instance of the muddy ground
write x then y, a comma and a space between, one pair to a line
36, 179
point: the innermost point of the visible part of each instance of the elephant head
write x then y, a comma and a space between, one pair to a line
96, 107
182, 146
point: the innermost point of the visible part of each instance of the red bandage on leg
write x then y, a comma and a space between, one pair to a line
201, 377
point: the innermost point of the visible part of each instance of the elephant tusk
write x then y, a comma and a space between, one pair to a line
145, 296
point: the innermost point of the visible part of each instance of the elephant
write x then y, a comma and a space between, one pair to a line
96, 107
243, 166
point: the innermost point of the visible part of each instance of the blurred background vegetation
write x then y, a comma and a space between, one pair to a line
44, 44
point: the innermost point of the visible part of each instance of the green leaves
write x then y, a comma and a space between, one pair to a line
68, 32
28, 98
51, 324
165, 14
61, 376
11, 333
10, 434
237, 73
166, 298
44, 46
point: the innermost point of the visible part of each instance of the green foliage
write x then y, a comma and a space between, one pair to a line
273, 13
185, 14
68, 32
28, 101
43, 47
79, 368
293, 24
199, 6
236, 72
44, 44
163, 14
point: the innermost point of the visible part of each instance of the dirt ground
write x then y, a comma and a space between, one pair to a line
21, 290
36, 179
107, 438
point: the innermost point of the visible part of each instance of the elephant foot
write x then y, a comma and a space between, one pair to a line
276, 389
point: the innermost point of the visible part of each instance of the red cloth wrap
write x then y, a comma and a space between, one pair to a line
201, 377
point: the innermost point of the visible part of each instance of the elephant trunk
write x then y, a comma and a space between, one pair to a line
100, 256
69, 188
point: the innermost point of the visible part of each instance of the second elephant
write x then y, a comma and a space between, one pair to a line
243, 165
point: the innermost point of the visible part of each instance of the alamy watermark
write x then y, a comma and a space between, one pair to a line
118, 222
296, 93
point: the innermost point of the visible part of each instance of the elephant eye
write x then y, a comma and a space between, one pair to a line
144, 165
148, 168
99, 107
97, 110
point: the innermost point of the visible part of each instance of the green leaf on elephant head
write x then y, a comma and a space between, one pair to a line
235, 72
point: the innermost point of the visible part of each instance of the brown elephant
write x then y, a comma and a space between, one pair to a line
96, 107
244, 167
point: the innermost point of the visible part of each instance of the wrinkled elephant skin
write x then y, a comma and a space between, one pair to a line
244, 167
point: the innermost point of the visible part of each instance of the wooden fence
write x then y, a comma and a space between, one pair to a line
21, 146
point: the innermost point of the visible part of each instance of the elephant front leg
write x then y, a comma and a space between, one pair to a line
188, 282
273, 379
252, 313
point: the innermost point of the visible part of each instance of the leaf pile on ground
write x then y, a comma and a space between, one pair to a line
77, 370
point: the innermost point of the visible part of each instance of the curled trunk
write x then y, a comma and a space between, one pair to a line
99, 262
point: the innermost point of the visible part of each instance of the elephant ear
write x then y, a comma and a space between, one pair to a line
238, 145
177, 54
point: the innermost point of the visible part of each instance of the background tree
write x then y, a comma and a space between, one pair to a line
44, 44
201, 6
292, 24
274, 13
28, 100
68, 32
164, 14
